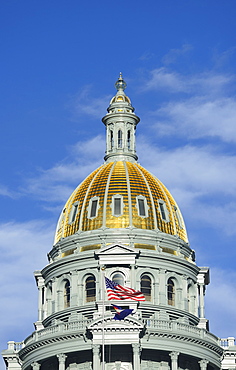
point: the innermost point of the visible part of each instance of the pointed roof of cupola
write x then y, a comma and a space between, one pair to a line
120, 99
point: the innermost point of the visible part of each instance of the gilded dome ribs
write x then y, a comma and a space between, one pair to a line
142, 199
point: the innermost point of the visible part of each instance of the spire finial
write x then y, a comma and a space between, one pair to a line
120, 83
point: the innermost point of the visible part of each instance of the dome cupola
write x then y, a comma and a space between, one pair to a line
121, 194
120, 122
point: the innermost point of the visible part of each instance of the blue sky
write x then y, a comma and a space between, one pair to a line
59, 62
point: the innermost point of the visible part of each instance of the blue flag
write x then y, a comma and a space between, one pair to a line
120, 313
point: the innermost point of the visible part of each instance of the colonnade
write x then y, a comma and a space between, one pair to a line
96, 349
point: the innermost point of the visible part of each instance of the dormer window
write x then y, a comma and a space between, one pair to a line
73, 212
120, 98
142, 206
93, 207
117, 205
179, 218
163, 210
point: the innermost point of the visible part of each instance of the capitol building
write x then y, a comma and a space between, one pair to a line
121, 223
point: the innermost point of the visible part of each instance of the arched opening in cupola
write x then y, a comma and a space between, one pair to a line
90, 288
120, 141
66, 294
146, 287
171, 292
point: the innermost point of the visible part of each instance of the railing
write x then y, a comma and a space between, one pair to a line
173, 326
227, 342
178, 327
58, 329
14, 346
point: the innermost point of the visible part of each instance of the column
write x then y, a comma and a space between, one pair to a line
203, 364
35, 366
136, 356
74, 288
201, 301
96, 356
185, 292
174, 360
54, 297
162, 285
61, 361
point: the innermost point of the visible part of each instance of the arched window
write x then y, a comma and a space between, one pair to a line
119, 139
90, 288
171, 292
128, 139
66, 294
111, 139
118, 278
146, 287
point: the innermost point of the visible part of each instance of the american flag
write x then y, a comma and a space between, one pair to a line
116, 291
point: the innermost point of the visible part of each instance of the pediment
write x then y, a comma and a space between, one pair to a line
117, 253
108, 330
117, 249
108, 323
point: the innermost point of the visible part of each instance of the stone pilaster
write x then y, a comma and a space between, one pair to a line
162, 291
74, 276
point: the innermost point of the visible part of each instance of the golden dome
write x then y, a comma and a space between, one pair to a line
121, 194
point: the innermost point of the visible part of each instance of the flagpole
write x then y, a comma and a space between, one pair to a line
103, 317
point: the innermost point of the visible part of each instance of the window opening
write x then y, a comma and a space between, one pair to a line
43, 295
119, 139
141, 207
163, 214
163, 210
117, 206
111, 139
93, 208
178, 216
146, 287
171, 292
128, 139
73, 212
67, 294
90, 288
118, 278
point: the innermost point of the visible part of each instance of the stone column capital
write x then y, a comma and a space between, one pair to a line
174, 355
61, 357
35, 366
96, 349
203, 364
136, 348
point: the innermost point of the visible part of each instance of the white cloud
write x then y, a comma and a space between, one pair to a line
57, 183
205, 83
198, 118
85, 103
197, 176
23, 250
174, 54
4, 191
